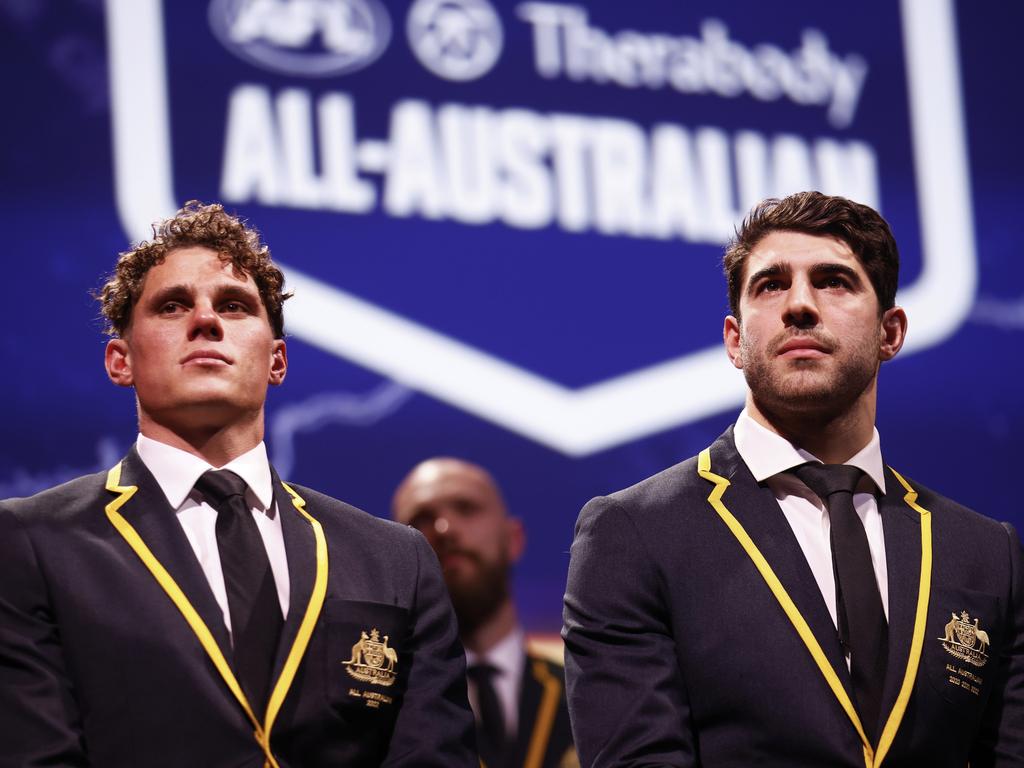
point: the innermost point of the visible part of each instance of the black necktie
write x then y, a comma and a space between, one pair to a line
862, 627
491, 727
252, 595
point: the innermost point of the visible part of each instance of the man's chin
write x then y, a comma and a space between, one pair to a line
474, 609
460, 578
797, 381
806, 396
198, 409
803, 399
478, 597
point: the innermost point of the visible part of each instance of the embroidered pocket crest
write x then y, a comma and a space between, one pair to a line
372, 660
965, 640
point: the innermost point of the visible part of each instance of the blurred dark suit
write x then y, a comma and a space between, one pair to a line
544, 738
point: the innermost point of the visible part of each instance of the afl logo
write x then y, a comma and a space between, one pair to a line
313, 38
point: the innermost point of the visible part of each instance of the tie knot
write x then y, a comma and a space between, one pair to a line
481, 673
219, 485
826, 479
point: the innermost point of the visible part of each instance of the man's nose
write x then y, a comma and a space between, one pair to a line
206, 322
801, 308
445, 526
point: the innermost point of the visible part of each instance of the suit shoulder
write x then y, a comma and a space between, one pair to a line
61, 502
670, 490
334, 512
951, 512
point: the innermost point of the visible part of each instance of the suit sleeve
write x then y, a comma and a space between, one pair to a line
627, 697
435, 726
39, 719
1000, 741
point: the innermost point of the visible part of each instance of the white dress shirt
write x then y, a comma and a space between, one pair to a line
769, 455
509, 658
176, 472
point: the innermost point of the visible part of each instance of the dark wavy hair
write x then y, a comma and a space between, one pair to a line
860, 227
194, 225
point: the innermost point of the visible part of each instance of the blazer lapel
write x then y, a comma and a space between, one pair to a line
529, 703
757, 510
152, 516
300, 550
901, 527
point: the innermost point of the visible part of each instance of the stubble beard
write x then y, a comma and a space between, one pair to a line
817, 387
478, 598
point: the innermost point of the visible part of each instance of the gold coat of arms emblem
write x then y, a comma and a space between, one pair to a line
965, 639
372, 660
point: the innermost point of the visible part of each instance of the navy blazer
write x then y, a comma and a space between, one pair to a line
679, 652
544, 738
98, 666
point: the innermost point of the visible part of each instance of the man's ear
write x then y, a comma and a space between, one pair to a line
731, 337
117, 360
278, 362
892, 333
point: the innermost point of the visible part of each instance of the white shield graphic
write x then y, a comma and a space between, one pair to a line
574, 421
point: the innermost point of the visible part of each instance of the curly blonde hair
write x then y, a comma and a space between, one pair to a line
194, 225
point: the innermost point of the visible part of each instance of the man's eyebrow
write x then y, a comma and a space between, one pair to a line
772, 270
237, 290
171, 292
833, 268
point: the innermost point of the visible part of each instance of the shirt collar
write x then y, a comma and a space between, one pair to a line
767, 454
507, 656
176, 471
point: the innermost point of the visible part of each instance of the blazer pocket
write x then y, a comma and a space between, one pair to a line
962, 641
365, 661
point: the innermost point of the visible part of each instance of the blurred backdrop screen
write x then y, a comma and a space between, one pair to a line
503, 223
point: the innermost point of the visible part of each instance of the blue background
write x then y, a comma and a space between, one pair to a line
575, 308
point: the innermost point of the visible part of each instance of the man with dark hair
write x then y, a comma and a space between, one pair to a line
516, 691
785, 598
187, 607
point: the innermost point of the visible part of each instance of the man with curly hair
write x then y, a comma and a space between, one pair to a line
187, 607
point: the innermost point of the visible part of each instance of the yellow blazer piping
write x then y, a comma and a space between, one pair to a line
920, 619
545, 714
202, 631
872, 758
